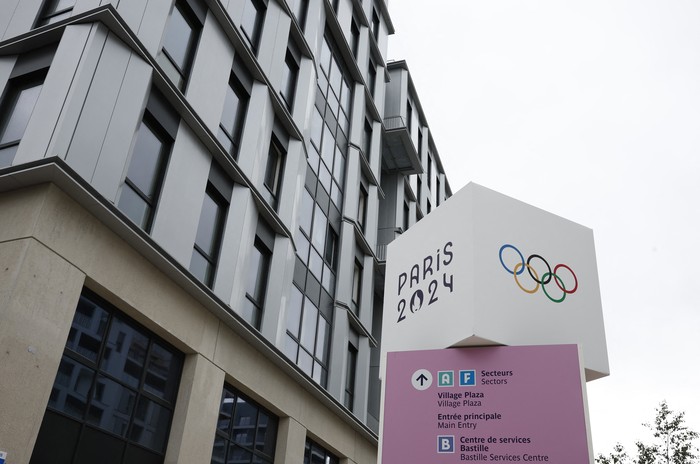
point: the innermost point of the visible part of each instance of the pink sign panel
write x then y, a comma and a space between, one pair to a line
492, 404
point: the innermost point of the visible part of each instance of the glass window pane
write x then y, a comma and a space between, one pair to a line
291, 348
218, 456
209, 229
88, 329
307, 205
225, 139
228, 117
318, 237
144, 167
150, 424
316, 264
201, 268
324, 175
135, 207
178, 38
20, 113
302, 247
7, 154
111, 406
294, 311
244, 422
71, 388
328, 146
305, 362
226, 411
160, 377
128, 353
322, 338
308, 328
237, 455
266, 434
316, 127
252, 21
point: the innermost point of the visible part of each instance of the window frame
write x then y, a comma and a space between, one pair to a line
218, 227
274, 169
100, 371
253, 37
48, 13
195, 21
229, 436
263, 271
8, 107
167, 142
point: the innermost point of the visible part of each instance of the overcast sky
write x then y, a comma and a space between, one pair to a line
590, 110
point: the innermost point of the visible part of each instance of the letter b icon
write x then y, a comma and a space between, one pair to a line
446, 444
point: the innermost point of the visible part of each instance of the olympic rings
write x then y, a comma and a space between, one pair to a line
547, 277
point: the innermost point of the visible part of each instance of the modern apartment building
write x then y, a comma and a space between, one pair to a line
195, 202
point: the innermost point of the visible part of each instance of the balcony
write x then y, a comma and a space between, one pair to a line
398, 152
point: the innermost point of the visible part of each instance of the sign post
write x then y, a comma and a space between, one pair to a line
520, 287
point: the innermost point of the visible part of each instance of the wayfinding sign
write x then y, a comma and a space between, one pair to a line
491, 404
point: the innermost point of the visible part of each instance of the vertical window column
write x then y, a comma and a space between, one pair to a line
235, 107
16, 107
258, 273
149, 158
252, 22
290, 74
54, 10
350, 370
274, 169
181, 38
205, 255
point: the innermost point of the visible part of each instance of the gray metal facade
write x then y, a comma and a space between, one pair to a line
356, 162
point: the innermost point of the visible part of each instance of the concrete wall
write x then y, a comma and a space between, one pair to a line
49, 248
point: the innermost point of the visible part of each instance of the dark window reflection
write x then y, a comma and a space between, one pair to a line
116, 384
246, 433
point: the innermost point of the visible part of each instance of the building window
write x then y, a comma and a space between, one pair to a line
207, 244
233, 116
371, 77
375, 24
54, 11
245, 432
308, 336
299, 8
274, 170
290, 73
258, 272
409, 117
367, 139
356, 286
362, 209
252, 22
181, 37
355, 33
406, 216
350, 370
144, 178
17, 106
149, 159
114, 393
315, 454
430, 171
